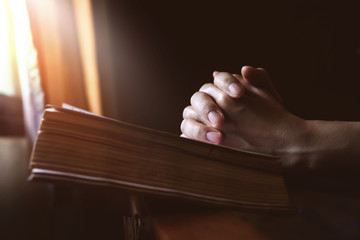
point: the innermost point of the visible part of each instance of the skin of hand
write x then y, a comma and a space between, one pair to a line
245, 112
210, 113
235, 113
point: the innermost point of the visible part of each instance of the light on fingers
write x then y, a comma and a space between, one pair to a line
198, 131
229, 84
214, 137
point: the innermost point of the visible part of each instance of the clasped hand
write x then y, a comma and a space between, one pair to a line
241, 111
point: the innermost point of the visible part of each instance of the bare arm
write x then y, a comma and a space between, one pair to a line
252, 118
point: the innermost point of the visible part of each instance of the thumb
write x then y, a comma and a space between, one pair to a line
260, 78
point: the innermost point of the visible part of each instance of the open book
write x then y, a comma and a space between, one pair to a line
78, 147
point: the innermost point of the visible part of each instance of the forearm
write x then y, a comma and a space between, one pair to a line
326, 144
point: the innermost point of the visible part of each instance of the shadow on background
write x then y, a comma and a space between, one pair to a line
154, 55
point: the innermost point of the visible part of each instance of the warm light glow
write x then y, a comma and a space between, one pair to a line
18, 56
86, 38
8, 75
18, 61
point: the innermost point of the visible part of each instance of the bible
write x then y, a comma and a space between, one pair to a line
79, 147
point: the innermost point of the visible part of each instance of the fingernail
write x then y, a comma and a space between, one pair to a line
213, 137
235, 89
214, 118
215, 73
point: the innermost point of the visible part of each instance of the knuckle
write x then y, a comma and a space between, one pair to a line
223, 79
186, 112
192, 129
183, 126
198, 132
223, 99
205, 108
201, 102
195, 97
206, 86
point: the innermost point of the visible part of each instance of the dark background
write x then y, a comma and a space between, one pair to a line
154, 55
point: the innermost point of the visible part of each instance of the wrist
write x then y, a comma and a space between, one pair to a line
298, 150
324, 144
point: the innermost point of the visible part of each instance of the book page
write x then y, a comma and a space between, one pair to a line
71, 107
